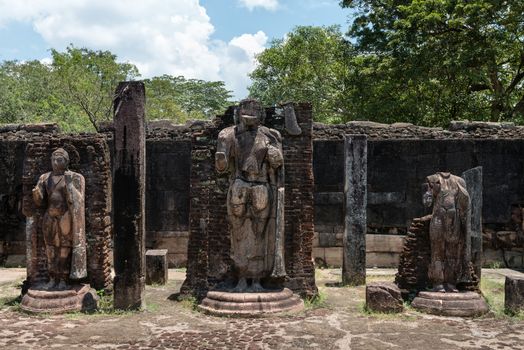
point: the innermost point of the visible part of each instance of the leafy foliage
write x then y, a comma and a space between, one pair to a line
437, 60
308, 65
88, 79
76, 90
180, 99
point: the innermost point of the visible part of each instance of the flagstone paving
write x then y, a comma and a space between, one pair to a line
338, 323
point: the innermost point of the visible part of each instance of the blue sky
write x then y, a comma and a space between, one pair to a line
204, 39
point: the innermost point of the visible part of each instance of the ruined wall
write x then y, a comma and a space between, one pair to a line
32, 146
209, 241
400, 157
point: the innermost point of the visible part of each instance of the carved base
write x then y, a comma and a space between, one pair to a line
77, 298
463, 304
250, 304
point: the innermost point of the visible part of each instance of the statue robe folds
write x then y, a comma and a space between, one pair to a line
450, 230
255, 200
74, 220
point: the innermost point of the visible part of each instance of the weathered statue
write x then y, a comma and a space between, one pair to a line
449, 231
252, 153
60, 195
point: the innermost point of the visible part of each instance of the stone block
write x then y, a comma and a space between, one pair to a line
333, 256
15, 260
384, 243
384, 297
382, 259
156, 266
514, 294
177, 260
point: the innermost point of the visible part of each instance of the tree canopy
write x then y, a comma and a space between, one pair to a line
308, 65
76, 90
452, 58
421, 61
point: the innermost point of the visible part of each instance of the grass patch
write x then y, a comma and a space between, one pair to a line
493, 291
388, 315
316, 302
189, 302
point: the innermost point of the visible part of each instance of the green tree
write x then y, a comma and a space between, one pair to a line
180, 99
311, 64
28, 95
437, 60
88, 79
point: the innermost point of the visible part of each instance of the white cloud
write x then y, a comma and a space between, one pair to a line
266, 4
159, 36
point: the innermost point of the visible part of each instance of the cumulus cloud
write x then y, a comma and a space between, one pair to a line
159, 36
266, 4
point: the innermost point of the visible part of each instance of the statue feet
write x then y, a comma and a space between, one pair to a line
62, 285
451, 288
256, 286
49, 285
241, 285
439, 288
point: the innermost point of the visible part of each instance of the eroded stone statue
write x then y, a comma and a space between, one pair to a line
449, 231
60, 196
252, 154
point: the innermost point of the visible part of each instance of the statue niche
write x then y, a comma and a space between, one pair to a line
252, 154
59, 199
450, 267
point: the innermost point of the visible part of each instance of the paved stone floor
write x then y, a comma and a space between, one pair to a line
339, 323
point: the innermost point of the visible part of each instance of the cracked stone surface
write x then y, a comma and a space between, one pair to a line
339, 323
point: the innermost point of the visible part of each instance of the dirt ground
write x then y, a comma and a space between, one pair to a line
337, 321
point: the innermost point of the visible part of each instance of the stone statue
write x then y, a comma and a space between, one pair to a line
253, 156
60, 196
449, 231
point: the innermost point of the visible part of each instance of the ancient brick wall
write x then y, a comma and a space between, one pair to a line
89, 156
209, 241
12, 222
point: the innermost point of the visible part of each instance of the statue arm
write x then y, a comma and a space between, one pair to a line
274, 151
223, 152
39, 191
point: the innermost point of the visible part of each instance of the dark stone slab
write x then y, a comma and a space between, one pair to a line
384, 297
129, 196
355, 189
514, 294
156, 266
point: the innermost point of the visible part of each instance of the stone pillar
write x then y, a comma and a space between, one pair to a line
355, 224
473, 178
514, 294
129, 196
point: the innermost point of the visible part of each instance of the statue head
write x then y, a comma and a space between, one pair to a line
250, 113
59, 160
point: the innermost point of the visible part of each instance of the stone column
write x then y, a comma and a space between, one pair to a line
129, 196
473, 178
355, 224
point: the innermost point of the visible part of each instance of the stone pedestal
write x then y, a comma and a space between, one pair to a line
384, 297
221, 303
463, 304
514, 294
78, 298
156, 266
